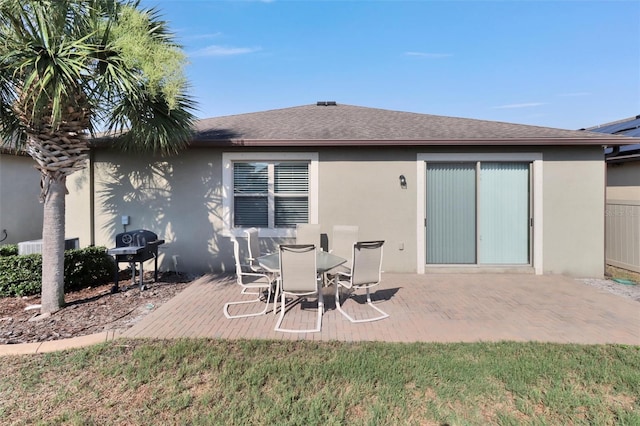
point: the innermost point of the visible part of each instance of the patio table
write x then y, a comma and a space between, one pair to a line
324, 261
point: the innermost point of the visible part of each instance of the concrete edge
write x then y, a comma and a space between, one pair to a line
59, 345
71, 343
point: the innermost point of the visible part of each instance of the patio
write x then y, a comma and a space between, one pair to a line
428, 308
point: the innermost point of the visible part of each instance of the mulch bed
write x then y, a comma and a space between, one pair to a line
88, 311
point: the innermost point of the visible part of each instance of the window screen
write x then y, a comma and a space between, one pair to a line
271, 194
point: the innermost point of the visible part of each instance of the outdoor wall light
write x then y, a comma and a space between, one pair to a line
403, 182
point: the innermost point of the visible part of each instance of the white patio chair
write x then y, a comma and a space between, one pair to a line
343, 237
308, 233
253, 243
298, 278
249, 281
366, 272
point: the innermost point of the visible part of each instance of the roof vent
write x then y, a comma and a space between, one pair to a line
326, 103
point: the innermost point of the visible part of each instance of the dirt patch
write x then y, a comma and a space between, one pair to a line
91, 310
614, 272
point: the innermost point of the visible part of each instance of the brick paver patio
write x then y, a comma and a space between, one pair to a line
428, 308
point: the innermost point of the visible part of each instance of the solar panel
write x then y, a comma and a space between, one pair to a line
625, 128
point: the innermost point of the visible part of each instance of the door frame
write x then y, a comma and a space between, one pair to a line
535, 158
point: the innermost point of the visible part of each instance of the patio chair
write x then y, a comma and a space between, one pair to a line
308, 233
298, 278
342, 239
365, 273
253, 242
253, 281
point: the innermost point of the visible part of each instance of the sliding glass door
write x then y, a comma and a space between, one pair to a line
477, 213
451, 216
503, 213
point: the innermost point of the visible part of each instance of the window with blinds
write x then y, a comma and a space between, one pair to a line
270, 194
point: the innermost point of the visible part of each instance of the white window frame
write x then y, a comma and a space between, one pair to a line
228, 158
537, 182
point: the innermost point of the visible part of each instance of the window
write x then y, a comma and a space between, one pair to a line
283, 185
272, 192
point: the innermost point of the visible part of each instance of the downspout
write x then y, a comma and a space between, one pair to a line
92, 219
616, 149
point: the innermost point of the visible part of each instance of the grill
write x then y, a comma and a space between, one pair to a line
136, 247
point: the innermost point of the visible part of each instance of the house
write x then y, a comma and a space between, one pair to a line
20, 208
623, 162
446, 194
623, 195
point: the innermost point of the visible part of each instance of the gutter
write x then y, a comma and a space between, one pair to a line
623, 158
421, 142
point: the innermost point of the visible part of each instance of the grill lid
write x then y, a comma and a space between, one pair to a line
138, 237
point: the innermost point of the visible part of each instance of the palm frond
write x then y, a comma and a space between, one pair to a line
148, 124
119, 61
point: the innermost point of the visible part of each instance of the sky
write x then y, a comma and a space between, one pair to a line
565, 64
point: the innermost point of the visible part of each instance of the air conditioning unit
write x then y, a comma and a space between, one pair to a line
35, 246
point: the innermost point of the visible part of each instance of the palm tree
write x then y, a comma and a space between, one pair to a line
71, 67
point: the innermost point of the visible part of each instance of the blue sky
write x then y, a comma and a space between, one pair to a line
566, 64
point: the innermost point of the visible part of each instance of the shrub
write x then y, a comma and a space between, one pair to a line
87, 267
22, 275
8, 250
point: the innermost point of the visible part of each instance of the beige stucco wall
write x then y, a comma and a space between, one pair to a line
78, 207
573, 203
20, 207
363, 188
180, 199
623, 181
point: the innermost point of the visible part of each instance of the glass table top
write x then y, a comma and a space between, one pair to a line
324, 261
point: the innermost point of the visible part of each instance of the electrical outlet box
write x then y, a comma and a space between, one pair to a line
125, 220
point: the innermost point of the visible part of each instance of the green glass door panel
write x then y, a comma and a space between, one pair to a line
503, 210
451, 213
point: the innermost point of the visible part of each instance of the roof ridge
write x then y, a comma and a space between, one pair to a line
420, 114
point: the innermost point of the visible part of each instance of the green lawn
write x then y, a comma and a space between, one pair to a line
303, 383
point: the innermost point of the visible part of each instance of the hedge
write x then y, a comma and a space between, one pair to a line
22, 275
9, 250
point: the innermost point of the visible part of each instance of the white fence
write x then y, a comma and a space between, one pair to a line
35, 246
623, 234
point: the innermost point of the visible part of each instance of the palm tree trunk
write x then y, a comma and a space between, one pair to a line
53, 247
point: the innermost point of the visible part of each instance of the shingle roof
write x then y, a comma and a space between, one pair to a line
355, 125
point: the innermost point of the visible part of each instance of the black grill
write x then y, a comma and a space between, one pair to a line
136, 247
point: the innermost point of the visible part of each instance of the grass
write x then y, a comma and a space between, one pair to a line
202, 382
